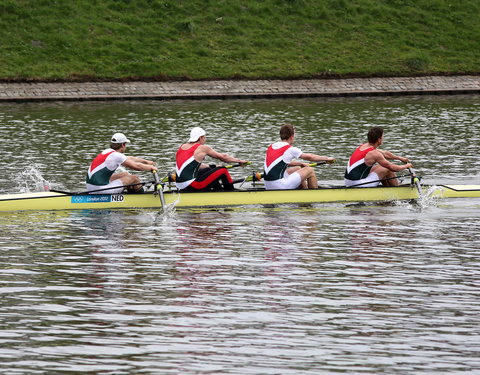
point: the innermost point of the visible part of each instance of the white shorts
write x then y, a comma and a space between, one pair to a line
114, 187
371, 180
289, 181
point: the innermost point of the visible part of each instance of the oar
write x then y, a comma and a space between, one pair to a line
257, 176
159, 188
171, 177
237, 165
318, 163
416, 181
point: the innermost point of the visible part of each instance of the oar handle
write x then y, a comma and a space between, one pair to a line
317, 163
171, 177
238, 165
324, 162
257, 176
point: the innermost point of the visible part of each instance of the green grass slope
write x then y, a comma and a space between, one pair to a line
210, 39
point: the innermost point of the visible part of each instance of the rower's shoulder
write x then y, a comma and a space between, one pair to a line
365, 146
188, 146
370, 151
278, 144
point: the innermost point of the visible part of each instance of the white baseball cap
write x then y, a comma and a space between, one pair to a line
119, 138
196, 133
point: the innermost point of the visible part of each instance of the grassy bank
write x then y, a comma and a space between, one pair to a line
202, 39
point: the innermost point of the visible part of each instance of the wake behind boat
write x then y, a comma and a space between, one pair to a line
55, 200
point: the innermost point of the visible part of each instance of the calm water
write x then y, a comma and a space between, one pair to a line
314, 289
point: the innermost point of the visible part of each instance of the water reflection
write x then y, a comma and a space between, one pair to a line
307, 288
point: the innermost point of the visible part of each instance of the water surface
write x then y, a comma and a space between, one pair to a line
309, 289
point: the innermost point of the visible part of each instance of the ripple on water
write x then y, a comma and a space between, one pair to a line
292, 290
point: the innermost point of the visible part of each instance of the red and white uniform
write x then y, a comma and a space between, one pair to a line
357, 172
102, 168
186, 166
277, 158
191, 178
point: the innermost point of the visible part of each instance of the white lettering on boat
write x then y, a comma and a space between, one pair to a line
118, 198
97, 198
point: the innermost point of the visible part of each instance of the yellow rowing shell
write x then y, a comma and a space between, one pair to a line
65, 201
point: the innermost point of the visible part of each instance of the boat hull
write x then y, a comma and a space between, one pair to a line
62, 201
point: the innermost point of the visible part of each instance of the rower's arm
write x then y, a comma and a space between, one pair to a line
296, 163
316, 158
380, 159
207, 150
389, 155
140, 160
138, 166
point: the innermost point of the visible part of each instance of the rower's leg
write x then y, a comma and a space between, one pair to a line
227, 182
388, 176
121, 175
308, 176
212, 184
210, 180
131, 179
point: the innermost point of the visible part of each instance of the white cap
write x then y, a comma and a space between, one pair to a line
196, 133
119, 138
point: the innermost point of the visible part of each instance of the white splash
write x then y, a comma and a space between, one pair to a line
165, 215
170, 209
428, 197
31, 180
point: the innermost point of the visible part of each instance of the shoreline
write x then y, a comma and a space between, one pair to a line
235, 89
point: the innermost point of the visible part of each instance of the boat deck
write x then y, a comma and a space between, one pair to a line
55, 200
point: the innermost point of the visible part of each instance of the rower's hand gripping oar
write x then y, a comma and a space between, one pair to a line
158, 188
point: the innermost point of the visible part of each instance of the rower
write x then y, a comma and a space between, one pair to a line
101, 178
368, 165
280, 155
193, 174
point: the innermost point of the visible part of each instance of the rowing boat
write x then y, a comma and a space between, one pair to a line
52, 200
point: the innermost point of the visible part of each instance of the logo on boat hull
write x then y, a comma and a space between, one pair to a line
97, 198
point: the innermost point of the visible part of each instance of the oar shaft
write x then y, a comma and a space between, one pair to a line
238, 165
159, 188
316, 164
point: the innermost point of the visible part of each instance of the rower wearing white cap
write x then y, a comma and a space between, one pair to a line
193, 174
101, 176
